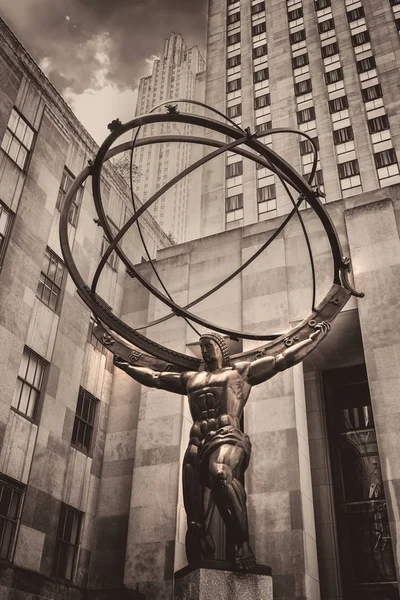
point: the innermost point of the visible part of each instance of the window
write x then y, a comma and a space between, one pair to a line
348, 169
320, 4
378, 124
234, 169
326, 25
234, 85
366, 64
394, 2
355, 14
18, 139
233, 39
266, 193
306, 146
360, 38
300, 61
333, 76
385, 158
338, 104
84, 421
293, 15
372, 93
234, 202
319, 179
66, 182
91, 337
261, 75
302, 87
397, 21
51, 280
298, 36
234, 111
259, 28
6, 219
262, 101
256, 8
234, 61
340, 136
233, 18
67, 542
329, 50
29, 384
11, 493
260, 51
263, 127
308, 114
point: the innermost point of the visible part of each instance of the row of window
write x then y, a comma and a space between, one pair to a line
68, 530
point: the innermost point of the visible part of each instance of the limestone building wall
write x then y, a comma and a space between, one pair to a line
48, 357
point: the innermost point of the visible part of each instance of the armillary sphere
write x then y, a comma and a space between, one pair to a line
131, 343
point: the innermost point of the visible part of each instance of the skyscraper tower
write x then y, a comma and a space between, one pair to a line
329, 69
178, 73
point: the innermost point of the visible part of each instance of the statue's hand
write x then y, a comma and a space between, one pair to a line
320, 331
120, 362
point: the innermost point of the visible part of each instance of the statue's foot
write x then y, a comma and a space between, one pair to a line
244, 556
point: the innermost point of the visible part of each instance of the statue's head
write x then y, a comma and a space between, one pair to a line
214, 349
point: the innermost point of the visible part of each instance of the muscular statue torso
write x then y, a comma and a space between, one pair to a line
216, 398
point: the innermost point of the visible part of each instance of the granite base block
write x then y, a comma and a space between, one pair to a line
220, 583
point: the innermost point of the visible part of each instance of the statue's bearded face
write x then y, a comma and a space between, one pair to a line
210, 351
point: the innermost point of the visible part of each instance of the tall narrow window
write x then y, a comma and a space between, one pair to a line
366, 64
256, 8
29, 384
259, 28
261, 75
308, 114
348, 169
372, 93
260, 51
365, 545
303, 87
85, 413
6, 219
51, 280
18, 139
355, 14
338, 104
67, 542
234, 169
306, 146
11, 493
66, 182
333, 76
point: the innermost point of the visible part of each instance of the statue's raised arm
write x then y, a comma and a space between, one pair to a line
264, 368
165, 380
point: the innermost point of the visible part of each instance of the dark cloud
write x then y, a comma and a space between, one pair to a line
70, 33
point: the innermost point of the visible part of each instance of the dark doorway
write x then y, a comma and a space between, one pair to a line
365, 546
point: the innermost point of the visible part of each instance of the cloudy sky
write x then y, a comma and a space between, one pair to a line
94, 51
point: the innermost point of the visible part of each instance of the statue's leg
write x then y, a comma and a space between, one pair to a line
197, 542
226, 466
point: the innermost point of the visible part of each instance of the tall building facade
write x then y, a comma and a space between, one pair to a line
177, 74
328, 69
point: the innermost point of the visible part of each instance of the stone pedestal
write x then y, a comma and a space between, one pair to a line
218, 581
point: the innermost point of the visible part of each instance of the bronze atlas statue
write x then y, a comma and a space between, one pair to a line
217, 386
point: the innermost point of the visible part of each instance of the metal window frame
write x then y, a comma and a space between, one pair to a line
60, 541
59, 288
18, 487
14, 136
78, 443
39, 390
5, 238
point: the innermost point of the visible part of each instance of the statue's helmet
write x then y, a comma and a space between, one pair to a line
220, 341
